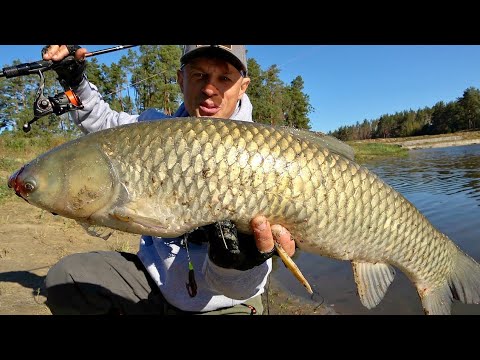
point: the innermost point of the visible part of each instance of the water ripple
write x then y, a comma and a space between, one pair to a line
446, 171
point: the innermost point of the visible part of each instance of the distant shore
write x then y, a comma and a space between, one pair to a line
428, 141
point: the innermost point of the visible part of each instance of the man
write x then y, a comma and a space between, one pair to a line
213, 270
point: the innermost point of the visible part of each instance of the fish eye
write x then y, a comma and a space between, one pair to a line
29, 186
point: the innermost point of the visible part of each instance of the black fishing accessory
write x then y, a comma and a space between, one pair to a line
58, 104
229, 248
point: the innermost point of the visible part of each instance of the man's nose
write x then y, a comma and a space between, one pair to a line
210, 89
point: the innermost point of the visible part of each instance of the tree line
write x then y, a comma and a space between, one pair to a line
462, 114
146, 78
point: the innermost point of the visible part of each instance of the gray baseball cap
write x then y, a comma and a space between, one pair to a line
234, 54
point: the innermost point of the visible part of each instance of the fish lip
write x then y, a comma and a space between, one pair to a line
12, 182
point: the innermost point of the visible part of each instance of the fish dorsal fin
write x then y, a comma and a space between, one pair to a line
331, 143
97, 230
372, 281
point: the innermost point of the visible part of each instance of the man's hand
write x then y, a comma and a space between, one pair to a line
265, 235
72, 73
233, 250
59, 52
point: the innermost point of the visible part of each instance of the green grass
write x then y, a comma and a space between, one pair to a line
5, 192
364, 151
22, 148
8, 164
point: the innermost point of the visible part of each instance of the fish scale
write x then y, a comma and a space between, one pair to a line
168, 177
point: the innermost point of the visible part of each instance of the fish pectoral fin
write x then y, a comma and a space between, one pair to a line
128, 215
97, 230
372, 281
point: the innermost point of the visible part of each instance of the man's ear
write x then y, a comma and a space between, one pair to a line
244, 86
180, 79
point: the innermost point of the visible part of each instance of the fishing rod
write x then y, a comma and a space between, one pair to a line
59, 103
44, 65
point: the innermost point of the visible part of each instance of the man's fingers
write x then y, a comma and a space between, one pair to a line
80, 54
262, 233
283, 237
59, 52
51, 50
265, 235
56, 52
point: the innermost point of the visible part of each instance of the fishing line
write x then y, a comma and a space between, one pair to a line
41, 267
321, 302
268, 290
135, 83
300, 56
223, 237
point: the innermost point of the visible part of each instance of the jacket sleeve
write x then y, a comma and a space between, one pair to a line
237, 284
96, 113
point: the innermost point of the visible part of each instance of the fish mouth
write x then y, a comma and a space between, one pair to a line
16, 185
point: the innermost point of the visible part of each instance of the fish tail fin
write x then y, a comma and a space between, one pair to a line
465, 280
463, 284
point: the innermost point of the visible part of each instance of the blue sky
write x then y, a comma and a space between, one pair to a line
349, 83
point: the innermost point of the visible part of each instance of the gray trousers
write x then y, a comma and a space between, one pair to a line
110, 282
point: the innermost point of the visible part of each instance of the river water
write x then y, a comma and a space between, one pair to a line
444, 184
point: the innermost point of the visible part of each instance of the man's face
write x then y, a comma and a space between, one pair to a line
211, 87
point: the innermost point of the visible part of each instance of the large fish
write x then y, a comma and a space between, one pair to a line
168, 177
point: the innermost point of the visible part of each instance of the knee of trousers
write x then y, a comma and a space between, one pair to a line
70, 285
63, 272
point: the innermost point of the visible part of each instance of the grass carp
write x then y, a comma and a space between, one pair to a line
166, 178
